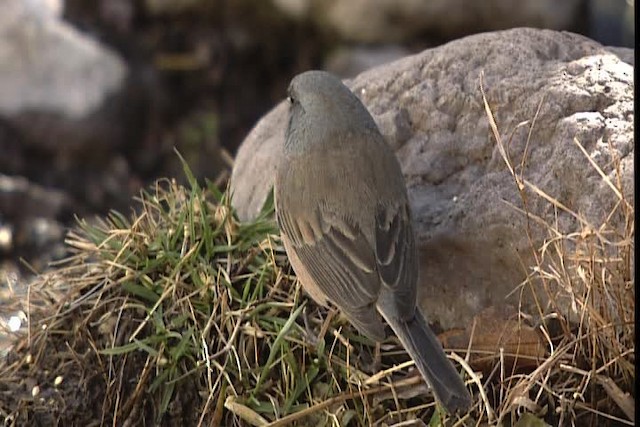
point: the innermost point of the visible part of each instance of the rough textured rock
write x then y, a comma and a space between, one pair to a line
397, 20
429, 106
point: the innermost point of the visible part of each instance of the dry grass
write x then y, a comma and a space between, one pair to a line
584, 288
181, 315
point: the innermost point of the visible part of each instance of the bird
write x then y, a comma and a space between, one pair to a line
343, 211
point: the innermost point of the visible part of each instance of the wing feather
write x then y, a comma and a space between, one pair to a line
342, 263
396, 257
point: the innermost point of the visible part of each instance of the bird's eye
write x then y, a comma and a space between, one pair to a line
290, 98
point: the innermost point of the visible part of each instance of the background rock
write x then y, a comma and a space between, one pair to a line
399, 20
605, 17
429, 107
350, 61
19, 198
62, 108
47, 66
392, 21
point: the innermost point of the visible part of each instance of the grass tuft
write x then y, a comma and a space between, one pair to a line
179, 314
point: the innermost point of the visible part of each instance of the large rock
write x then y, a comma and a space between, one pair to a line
372, 21
429, 106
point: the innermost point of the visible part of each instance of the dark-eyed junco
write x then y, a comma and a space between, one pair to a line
342, 208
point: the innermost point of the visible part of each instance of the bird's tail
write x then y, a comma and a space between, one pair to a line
424, 348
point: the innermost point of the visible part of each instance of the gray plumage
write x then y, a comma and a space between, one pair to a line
342, 207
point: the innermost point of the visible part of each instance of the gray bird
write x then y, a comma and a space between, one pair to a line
343, 212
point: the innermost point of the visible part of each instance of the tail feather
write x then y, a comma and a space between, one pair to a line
424, 348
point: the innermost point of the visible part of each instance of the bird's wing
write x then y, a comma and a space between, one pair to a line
337, 255
396, 256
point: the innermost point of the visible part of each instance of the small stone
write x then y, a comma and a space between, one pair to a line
15, 323
6, 238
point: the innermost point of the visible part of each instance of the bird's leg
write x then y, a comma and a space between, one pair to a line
313, 339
